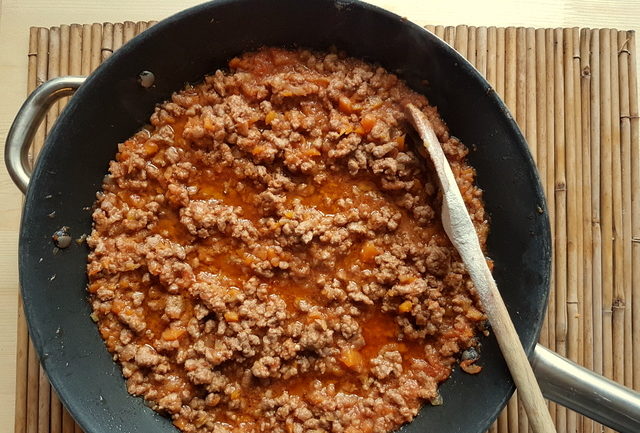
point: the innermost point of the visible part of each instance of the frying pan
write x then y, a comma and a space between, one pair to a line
111, 105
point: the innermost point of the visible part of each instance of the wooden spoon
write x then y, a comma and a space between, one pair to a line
458, 226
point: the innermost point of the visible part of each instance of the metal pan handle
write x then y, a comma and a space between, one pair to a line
586, 392
26, 123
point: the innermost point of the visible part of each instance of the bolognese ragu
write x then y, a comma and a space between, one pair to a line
268, 256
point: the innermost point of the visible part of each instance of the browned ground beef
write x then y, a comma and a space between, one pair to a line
267, 255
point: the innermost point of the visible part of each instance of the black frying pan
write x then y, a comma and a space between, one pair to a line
111, 106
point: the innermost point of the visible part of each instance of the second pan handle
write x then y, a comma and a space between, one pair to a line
586, 392
26, 123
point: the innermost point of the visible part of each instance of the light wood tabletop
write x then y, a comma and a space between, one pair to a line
16, 16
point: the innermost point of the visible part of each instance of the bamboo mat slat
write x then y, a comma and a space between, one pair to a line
574, 94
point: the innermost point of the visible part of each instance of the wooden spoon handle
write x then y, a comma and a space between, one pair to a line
459, 227
528, 389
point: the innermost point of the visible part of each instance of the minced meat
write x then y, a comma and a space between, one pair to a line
267, 254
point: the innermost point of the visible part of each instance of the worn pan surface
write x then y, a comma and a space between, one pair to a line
111, 106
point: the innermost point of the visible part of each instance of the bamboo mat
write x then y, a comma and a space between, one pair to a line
574, 94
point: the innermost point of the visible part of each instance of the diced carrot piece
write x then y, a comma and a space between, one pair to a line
150, 148
475, 314
117, 306
369, 252
312, 151
233, 292
352, 359
406, 278
181, 423
208, 124
469, 367
346, 130
405, 307
401, 144
344, 105
258, 150
231, 316
271, 115
171, 334
359, 130
248, 259
261, 253
368, 122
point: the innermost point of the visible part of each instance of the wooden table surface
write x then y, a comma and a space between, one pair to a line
16, 16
